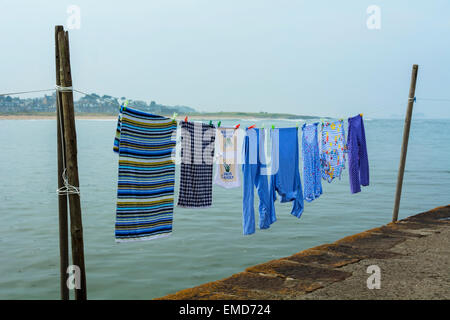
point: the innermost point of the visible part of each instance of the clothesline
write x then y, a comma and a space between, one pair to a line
68, 89
41, 90
24, 92
146, 177
433, 99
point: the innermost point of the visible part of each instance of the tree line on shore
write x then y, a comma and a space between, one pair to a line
92, 103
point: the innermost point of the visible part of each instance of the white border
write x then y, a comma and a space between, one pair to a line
164, 235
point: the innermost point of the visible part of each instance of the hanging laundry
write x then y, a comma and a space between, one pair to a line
285, 175
146, 175
311, 162
254, 171
358, 161
332, 155
117, 137
227, 174
197, 155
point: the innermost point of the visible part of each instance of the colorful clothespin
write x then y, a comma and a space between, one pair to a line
218, 124
174, 116
185, 119
273, 127
296, 124
361, 114
237, 126
252, 126
125, 105
210, 122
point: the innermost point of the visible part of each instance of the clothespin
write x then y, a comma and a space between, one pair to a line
174, 116
273, 127
296, 124
237, 126
218, 124
125, 105
261, 126
252, 126
121, 112
185, 119
322, 122
210, 122
361, 114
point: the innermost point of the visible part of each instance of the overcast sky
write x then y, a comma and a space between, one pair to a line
302, 57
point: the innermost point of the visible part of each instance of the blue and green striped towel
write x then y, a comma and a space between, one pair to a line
145, 192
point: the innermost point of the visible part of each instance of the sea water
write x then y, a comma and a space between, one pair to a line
206, 244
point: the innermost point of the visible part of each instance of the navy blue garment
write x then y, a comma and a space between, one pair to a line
358, 161
255, 175
285, 175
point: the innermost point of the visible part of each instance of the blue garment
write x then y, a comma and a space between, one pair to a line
358, 161
285, 175
254, 175
311, 162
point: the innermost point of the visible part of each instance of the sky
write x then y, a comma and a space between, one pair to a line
291, 56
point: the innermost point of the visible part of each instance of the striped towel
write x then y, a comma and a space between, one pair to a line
146, 175
197, 155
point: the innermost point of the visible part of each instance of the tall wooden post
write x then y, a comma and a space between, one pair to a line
70, 143
401, 169
62, 198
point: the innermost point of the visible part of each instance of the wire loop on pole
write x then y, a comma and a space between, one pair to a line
64, 89
67, 188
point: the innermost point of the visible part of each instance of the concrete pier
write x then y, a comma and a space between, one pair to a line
413, 256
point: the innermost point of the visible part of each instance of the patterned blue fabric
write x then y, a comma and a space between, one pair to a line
332, 157
311, 162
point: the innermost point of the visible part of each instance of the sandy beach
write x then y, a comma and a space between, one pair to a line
51, 117
114, 117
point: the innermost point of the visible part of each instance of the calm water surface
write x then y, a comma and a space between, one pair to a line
207, 244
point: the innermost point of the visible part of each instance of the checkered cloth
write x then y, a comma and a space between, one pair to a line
197, 152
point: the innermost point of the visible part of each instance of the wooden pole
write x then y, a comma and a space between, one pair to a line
401, 169
70, 142
62, 198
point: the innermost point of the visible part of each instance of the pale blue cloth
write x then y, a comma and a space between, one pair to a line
254, 175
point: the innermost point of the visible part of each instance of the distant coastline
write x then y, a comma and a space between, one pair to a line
193, 115
94, 106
